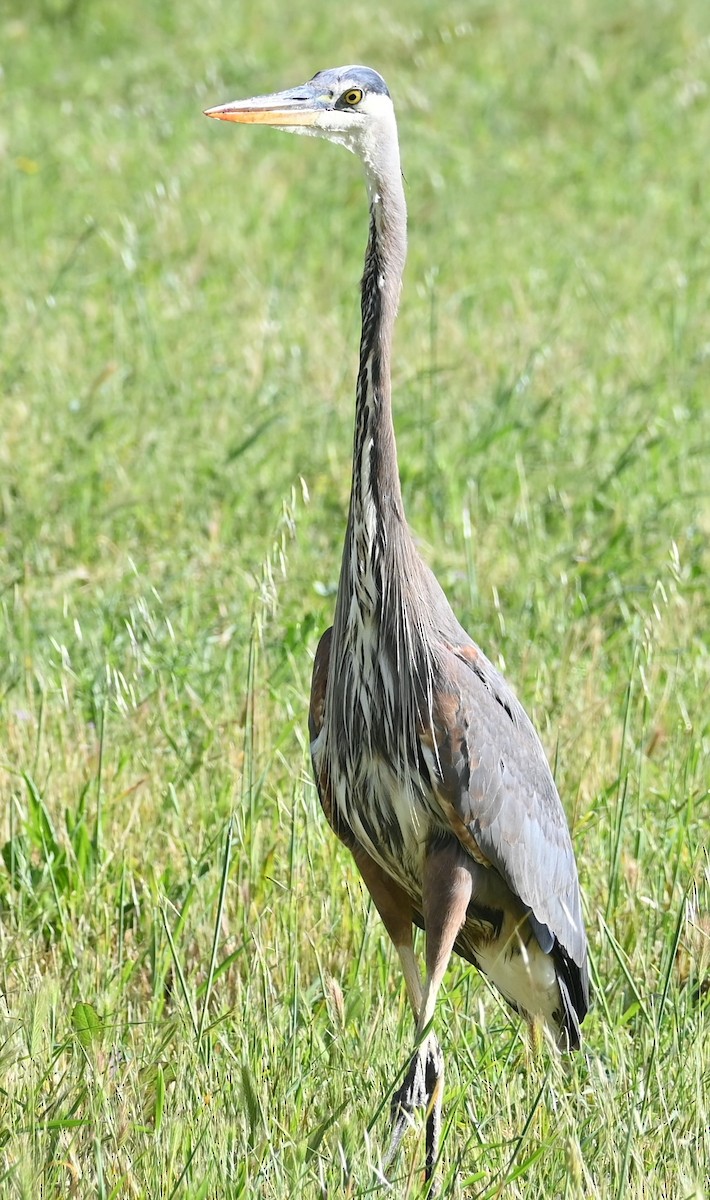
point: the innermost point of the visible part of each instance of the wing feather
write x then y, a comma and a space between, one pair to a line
491, 773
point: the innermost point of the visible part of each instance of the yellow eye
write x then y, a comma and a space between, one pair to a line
352, 97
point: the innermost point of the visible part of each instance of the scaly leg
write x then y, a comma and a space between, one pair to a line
396, 911
447, 887
421, 1088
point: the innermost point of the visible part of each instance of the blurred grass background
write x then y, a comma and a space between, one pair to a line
197, 1000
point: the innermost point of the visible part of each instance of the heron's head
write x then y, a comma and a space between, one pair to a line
349, 105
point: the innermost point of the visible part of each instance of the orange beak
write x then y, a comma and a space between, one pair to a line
299, 106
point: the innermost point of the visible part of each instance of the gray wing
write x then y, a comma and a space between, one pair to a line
498, 796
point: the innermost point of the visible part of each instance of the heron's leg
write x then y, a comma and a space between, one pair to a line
395, 908
447, 887
446, 894
412, 975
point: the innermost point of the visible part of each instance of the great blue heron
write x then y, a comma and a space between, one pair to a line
427, 766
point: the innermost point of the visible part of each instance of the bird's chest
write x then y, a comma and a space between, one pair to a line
390, 816
368, 750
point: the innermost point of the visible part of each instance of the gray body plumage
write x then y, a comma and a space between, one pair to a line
420, 728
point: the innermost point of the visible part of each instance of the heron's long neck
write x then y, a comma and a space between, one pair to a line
381, 623
376, 511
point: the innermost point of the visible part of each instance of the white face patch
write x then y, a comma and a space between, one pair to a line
368, 130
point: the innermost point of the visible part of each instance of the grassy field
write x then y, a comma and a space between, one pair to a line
197, 1000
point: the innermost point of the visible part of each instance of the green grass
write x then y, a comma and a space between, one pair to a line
197, 1000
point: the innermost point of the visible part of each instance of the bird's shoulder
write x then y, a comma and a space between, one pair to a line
316, 718
319, 684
